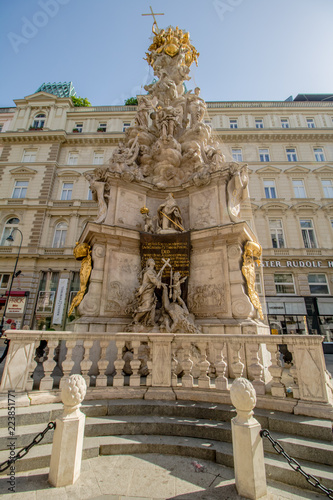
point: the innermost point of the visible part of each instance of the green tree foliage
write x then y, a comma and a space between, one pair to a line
131, 101
80, 101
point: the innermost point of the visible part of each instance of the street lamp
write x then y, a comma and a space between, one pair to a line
10, 238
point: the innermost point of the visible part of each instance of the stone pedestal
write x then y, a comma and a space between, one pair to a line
65, 465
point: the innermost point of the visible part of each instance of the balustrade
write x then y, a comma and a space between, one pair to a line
196, 362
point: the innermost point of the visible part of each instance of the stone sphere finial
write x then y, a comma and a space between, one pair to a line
243, 397
73, 392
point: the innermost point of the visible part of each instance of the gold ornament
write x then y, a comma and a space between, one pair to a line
82, 252
251, 254
172, 42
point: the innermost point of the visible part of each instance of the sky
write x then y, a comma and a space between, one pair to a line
249, 49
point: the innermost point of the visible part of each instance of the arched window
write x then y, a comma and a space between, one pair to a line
60, 234
11, 224
39, 121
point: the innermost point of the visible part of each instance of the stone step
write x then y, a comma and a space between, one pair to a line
39, 456
298, 447
272, 420
301, 448
276, 467
207, 449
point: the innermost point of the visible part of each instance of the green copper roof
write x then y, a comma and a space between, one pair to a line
65, 89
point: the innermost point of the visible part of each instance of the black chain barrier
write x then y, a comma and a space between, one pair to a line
37, 439
295, 465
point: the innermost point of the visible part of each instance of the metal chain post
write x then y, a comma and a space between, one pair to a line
295, 465
37, 439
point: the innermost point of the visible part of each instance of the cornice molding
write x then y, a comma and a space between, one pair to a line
272, 135
60, 136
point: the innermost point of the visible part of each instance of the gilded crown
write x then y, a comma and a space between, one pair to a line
144, 210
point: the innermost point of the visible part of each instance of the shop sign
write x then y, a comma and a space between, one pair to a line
297, 263
15, 305
60, 301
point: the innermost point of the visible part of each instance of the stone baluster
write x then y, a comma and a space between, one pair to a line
277, 388
118, 379
221, 381
237, 365
102, 363
204, 380
49, 364
68, 363
86, 362
255, 369
293, 372
135, 365
31, 369
187, 379
174, 364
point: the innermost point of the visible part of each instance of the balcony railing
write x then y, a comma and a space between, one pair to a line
171, 366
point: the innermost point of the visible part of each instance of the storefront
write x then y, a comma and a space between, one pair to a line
292, 312
16, 307
56, 290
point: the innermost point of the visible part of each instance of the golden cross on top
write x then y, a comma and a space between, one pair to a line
152, 13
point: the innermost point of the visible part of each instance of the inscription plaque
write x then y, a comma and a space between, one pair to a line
175, 246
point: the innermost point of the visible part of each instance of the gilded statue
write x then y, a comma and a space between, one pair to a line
251, 255
172, 42
82, 251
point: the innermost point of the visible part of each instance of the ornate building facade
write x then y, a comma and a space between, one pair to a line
48, 146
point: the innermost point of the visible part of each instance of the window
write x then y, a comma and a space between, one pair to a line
1, 127
90, 196
308, 233
318, 284
237, 154
20, 189
98, 158
284, 283
233, 123
257, 285
60, 235
29, 155
328, 188
208, 122
310, 123
264, 155
259, 123
284, 123
319, 154
66, 193
275, 227
73, 158
291, 154
39, 121
4, 280
299, 188
11, 224
270, 189
126, 125
101, 127
78, 127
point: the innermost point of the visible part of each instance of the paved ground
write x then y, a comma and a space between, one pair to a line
143, 477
